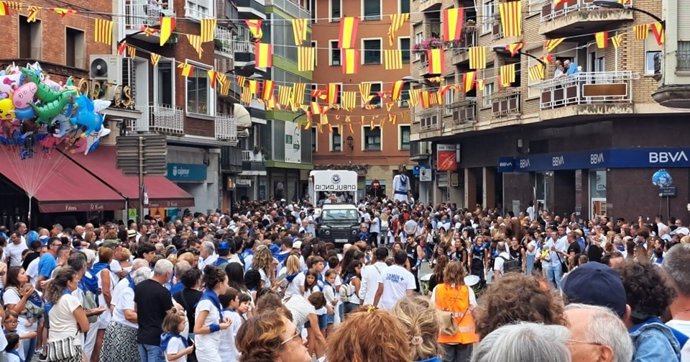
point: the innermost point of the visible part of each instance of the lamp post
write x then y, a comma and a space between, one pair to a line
608, 4
504, 51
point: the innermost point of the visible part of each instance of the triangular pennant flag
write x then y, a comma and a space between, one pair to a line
389, 106
602, 39
299, 30
155, 58
4, 8
224, 83
211, 78
122, 48
267, 91
537, 72
452, 23
397, 22
131, 52
305, 59
551, 44
437, 60
641, 31
514, 48
396, 93
350, 61
323, 120
254, 26
392, 59
468, 81
477, 57
168, 25
185, 69
263, 54
511, 18
617, 40
32, 17
103, 31
60, 11
507, 73
241, 81
195, 42
658, 30
208, 30
246, 96
348, 32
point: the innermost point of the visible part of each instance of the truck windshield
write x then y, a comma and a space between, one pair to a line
340, 215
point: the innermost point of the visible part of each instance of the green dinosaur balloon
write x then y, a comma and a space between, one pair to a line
47, 111
44, 93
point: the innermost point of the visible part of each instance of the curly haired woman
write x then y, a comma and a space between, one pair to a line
517, 298
419, 319
271, 337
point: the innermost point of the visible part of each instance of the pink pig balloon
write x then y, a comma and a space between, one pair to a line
24, 95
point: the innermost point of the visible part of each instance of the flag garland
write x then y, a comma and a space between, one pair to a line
254, 26
299, 30
602, 39
365, 92
155, 58
103, 31
477, 57
349, 100
511, 18
305, 59
452, 23
284, 95
208, 30
397, 22
267, 91
617, 40
507, 74
333, 94
195, 42
32, 17
392, 59
263, 54
185, 69
60, 11
348, 32
131, 52
515, 48
168, 25
298, 90
350, 61
211, 74
4, 8
396, 93
469, 80
551, 44
437, 60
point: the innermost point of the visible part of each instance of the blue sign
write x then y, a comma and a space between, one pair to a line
612, 158
506, 164
186, 172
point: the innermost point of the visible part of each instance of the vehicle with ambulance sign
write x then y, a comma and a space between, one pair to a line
333, 193
332, 186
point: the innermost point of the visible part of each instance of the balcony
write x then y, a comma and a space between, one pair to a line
252, 156
139, 14
251, 9
460, 53
506, 103
420, 150
223, 43
230, 159
243, 52
587, 94
463, 111
291, 8
166, 119
575, 17
429, 5
226, 128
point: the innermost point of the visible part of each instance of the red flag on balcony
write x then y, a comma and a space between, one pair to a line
514, 48
267, 91
452, 23
397, 90
658, 30
254, 26
511, 18
602, 39
348, 32
468, 80
350, 61
167, 27
437, 60
263, 54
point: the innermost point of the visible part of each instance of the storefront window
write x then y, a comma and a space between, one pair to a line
597, 192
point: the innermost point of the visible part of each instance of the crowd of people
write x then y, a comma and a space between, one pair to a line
257, 285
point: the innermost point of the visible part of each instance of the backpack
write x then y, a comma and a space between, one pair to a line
346, 291
511, 265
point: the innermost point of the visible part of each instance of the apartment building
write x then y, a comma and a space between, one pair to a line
586, 143
374, 152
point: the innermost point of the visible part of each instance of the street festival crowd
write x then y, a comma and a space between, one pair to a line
257, 285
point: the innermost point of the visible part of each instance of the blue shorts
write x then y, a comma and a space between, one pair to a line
330, 319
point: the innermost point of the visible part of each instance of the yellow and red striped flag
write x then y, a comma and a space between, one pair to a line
397, 22
349, 100
537, 72
365, 92
396, 93
392, 59
298, 90
452, 23
602, 39
4, 8
131, 52
348, 32
211, 74
305, 59
511, 18
299, 30
425, 99
437, 60
414, 97
514, 48
267, 91
477, 57
208, 30
333, 92
551, 44
641, 31
104, 31
122, 48
155, 58
241, 81
507, 73
350, 61
253, 87
185, 69
246, 96
32, 17
263, 54
658, 30
168, 25
480, 85
254, 26
284, 95
224, 83
195, 42
270, 103
617, 40
60, 11
468, 80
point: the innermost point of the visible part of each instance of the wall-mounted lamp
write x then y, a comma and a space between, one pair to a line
350, 142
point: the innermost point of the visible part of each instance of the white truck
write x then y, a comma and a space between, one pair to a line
340, 183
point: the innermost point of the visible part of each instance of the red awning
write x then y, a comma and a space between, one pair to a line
58, 184
163, 193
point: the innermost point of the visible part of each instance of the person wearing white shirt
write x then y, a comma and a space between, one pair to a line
503, 255
397, 283
557, 252
375, 229
401, 186
372, 275
14, 249
207, 254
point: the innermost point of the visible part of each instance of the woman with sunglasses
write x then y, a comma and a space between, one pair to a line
271, 337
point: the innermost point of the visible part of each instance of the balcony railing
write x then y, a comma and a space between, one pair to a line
243, 46
226, 128
548, 12
251, 156
587, 88
140, 13
467, 40
223, 41
166, 119
291, 8
463, 111
506, 103
429, 119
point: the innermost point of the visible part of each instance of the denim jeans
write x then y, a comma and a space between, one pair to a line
151, 353
554, 275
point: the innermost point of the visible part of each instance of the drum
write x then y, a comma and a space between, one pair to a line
424, 283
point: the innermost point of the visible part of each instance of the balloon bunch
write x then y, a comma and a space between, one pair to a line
36, 112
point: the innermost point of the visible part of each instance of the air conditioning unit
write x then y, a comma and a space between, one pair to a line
243, 133
106, 67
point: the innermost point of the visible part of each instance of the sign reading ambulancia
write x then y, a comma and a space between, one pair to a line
334, 181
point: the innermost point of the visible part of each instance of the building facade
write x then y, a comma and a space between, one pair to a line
369, 142
588, 142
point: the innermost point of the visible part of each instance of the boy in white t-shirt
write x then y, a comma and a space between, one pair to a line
397, 283
231, 302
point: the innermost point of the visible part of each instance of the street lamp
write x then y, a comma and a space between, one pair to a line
608, 4
502, 50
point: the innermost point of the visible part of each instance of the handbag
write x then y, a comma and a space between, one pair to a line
564, 266
447, 323
61, 350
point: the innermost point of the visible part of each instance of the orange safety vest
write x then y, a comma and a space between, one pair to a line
457, 300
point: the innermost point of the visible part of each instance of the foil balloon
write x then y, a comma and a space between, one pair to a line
6, 110
24, 95
86, 115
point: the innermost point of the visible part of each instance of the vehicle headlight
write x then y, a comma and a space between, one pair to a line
354, 232
327, 232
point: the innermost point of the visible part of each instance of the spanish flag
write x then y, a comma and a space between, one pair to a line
452, 23
392, 59
305, 59
211, 74
263, 54
507, 73
468, 80
536, 72
167, 27
617, 40
511, 18
551, 44
602, 39
333, 93
254, 26
267, 91
104, 31
299, 30
397, 22
397, 90
641, 31
208, 30
477, 57
348, 32
437, 60
658, 30
4, 8
185, 69
514, 48
350, 61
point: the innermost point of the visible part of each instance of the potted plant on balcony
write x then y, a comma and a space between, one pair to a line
428, 43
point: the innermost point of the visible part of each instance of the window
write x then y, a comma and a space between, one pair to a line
376, 88
165, 83
312, 10
405, 96
652, 51
314, 139
335, 53
371, 9
486, 95
683, 57
314, 44
198, 97
404, 138
314, 88
449, 98
418, 39
372, 51
372, 138
404, 6
336, 139
29, 39
487, 16
74, 48
404, 45
335, 6
199, 9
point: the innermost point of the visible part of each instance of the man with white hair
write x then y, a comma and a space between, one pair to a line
597, 334
675, 265
152, 302
524, 342
207, 254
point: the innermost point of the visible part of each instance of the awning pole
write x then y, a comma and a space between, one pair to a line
28, 215
141, 180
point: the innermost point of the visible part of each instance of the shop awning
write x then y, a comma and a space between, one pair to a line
57, 183
163, 193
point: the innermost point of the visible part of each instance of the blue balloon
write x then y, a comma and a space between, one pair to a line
662, 178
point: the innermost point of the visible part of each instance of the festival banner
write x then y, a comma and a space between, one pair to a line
392, 59
477, 57
348, 32
299, 30
397, 22
208, 30
511, 18
104, 31
350, 61
263, 54
437, 60
452, 23
305, 59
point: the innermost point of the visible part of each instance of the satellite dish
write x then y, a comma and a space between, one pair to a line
242, 117
99, 68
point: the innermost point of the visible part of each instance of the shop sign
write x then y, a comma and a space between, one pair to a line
186, 172
506, 164
446, 158
243, 182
